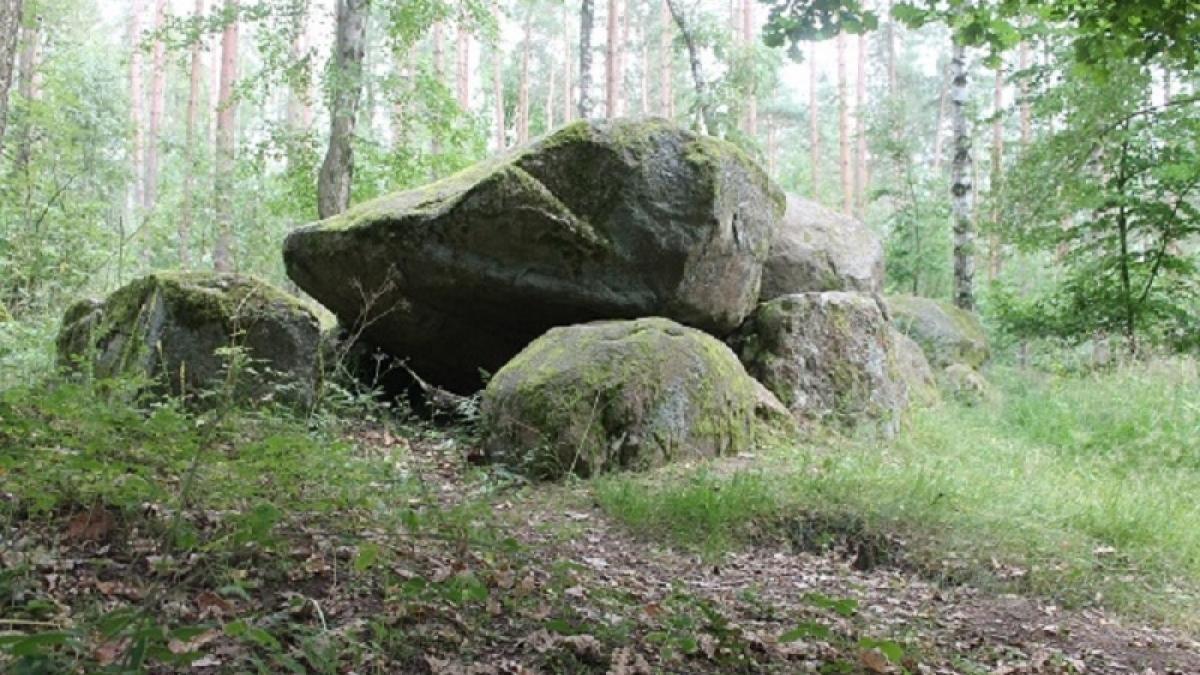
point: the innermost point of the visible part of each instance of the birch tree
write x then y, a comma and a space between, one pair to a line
337, 170
961, 188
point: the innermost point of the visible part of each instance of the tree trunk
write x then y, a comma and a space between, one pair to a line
523, 85
136, 97
337, 171
463, 66
549, 98
860, 128
961, 189
610, 60
225, 147
665, 53
703, 122
939, 122
772, 147
752, 96
846, 169
814, 124
995, 260
498, 94
187, 215
439, 73
158, 76
10, 31
214, 84
298, 99
644, 72
568, 103
587, 14
622, 57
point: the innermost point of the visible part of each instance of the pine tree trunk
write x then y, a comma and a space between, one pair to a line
814, 125
549, 98
748, 41
187, 215
158, 76
463, 68
622, 57
587, 15
845, 166
860, 128
225, 146
568, 103
961, 189
523, 85
611, 59
214, 84
644, 73
665, 53
498, 94
439, 73
297, 99
337, 171
136, 98
10, 32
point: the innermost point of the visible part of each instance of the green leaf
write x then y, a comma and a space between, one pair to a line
808, 629
368, 555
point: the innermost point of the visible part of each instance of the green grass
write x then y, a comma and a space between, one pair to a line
1077, 488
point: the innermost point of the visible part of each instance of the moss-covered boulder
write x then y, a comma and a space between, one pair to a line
615, 395
966, 385
828, 357
915, 371
174, 331
947, 333
598, 220
818, 249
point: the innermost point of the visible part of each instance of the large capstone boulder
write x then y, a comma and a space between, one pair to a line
599, 220
828, 357
948, 334
175, 331
618, 395
818, 249
915, 371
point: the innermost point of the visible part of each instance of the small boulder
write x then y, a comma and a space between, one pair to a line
598, 220
965, 385
613, 395
817, 249
172, 328
915, 371
828, 357
947, 333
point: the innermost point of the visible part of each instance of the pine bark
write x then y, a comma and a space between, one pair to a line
523, 85
612, 59
498, 94
337, 171
748, 42
299, 109
136, 101
188, 212
158, 77
961, 188
550, 98
567, 100
665, 54
860, 127
226, 144
845, 166
939, 122
10, 32
587, 15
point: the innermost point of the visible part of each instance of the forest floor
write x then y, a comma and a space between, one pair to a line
390, 551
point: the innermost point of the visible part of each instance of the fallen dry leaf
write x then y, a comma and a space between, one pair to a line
91, 525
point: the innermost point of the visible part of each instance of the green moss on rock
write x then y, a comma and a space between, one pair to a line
947, 333
171, 328
615, 395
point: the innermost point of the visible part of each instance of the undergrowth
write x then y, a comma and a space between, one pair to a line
1078, 488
